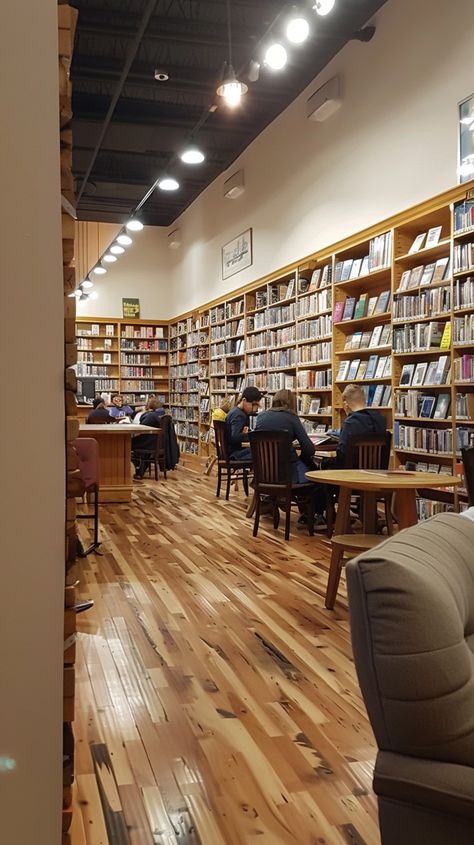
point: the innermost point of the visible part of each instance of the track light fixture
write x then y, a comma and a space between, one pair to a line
115, 249
134, 225
124, 240
99, 271
323, 7
276, 57
168, 183
109, 258
297, 30
87, 283
192, 155
230, 89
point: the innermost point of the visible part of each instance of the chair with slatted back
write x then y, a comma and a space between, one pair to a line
227, 468
88, 458
468, 464
271, 455
370, 452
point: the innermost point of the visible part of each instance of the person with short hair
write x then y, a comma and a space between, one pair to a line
360, 420
237, 423
152, 417
119, 410
282, 416
99, 414
221, 412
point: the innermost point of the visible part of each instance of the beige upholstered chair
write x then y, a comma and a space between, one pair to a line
412, 620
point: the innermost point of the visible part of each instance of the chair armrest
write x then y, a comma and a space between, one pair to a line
445, 787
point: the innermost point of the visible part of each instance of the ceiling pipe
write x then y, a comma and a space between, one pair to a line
132, 52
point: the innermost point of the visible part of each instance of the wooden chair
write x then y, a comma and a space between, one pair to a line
152, 456
88, 457
468, 464
369, 451
227, 468
271, 456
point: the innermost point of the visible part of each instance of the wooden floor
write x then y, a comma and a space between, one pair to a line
217, 702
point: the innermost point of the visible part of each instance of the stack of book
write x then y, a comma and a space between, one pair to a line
374, 368
423, 304
379, 336
417, 403
436, 372
365, 306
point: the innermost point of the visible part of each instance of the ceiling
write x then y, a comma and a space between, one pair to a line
152, 120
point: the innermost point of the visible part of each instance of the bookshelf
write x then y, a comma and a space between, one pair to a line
122, 356
184, 382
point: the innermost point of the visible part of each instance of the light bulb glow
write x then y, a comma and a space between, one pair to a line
94, 295
134, 225
276, 57
109, 259
297, 30
232, 93
124, 240
192, 155
168, 184
323, 7
99, 271
87, 284
116, 250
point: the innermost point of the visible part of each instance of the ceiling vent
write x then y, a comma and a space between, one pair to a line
325, 101
235, 185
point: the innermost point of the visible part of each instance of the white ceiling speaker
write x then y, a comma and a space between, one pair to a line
234, 186
325, 101
174, 239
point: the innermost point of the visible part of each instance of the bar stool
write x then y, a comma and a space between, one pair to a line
88, 457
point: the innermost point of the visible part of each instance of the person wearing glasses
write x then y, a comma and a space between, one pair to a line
237, 423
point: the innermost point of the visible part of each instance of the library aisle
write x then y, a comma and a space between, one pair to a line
215, 707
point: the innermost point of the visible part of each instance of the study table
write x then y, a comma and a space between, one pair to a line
115, 465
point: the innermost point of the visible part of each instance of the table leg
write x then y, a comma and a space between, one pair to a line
406, 508
343, 521
369, 512
252, 505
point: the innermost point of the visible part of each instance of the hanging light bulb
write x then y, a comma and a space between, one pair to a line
230, 89
94, 295
323, 7
99, 271
276, 57
167, 183
192, 155
116, 250
87, 283
109, 259
134, 225
124, 240
297, 30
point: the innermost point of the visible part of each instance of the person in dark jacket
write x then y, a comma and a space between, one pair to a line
282, 416
152, 417
237, 423
99, 414
359, 421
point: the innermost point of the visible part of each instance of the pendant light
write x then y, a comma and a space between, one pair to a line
323, 7
230, 89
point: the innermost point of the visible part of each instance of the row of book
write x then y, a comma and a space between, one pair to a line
463, 293
464, 368
187, 429
139, 386
379, 257
314, 329
151, 332
94, 357
278, 291
377, 395
217, 350
217, 367
216, 315
132, 358
280, 337
235, 347
192, 354
234, 308
320, 278
178, 343
316, 353
282, 358
314, 304
144, 345
272, 317
136, 372
194, 338
423, 304
312, 379
463, 255
425, 274
178, 357
234, 365
415, 438
365, 306
418, 337
182, 414
96, 330
357, 369
463, 216
417, 403
178, 372
257, 361
183, 327
436, 372
312, 405
96, 345
379, 336
465, 406
426, 240
83, 370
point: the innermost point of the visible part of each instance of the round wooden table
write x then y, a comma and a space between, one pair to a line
373, 483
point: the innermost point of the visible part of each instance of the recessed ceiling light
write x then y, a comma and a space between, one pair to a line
134, 225
124, 240
116, 249
297, 30
192, 155
167, 183
87, 284
276, 57
161, 75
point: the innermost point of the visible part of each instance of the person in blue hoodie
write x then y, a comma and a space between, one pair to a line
360, 420
282, 416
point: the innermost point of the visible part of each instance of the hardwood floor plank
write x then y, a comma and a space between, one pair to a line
218, 692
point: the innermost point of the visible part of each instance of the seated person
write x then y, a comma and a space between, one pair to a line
119, 410
143, 410
237, 423
359, 421
221, 412
99, 414
282, 416
152, 417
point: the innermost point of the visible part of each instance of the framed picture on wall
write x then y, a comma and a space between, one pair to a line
466, 140
237, 254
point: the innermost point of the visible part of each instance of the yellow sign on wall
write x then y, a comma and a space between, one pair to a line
131, 308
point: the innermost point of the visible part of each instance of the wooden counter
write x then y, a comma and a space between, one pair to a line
116, 469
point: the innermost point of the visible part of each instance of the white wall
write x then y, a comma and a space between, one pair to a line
142, 271
392, 144
32, 442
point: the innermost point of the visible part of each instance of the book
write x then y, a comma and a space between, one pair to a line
431, 373
442, 406
440, 269
446, 338
356, 268
361, 305
380, 367
364, 270
346, 270
349, 306
415, 276
314, 283
442, 369
382, 302
406, 375
362, 370
376, 335
314, 406
434, 335
386, 337
417, 243
387, 370
404, 280
387, 395
433, 236
365, 340
343, 370
338, 312
371, 305
355, 340
427, 406
378, 394
427, 275
107, 358
290, 289
419, 374
353, 367
371, 367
